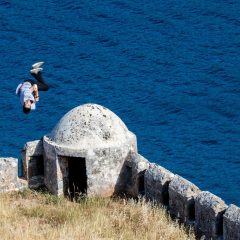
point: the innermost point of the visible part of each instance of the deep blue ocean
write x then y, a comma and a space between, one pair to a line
169, 69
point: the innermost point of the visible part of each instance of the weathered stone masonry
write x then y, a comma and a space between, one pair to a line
9, 180
91, 152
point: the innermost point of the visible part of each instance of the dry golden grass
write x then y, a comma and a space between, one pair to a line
31, 215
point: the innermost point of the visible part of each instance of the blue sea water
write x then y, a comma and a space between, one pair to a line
169, 69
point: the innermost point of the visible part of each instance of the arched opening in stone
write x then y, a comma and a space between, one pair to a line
77, 177
36, 172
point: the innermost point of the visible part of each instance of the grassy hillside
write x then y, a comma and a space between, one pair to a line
31, 215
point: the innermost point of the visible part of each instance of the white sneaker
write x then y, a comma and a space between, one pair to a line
37, 64
36, 70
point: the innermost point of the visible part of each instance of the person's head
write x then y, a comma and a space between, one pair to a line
27, 106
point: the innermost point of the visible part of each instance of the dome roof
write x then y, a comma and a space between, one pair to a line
90, 125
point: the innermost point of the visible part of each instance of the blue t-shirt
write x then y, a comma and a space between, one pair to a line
24, 93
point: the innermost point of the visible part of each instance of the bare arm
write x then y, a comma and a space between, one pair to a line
35, 92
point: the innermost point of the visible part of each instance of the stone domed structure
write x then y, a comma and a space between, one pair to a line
85, 152
89, 125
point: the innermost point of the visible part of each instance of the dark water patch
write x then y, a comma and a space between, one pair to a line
210, 142
216, 71
85, 56
228, 113
68, 5
84, 32
57, 66
179, 16
157, 21
228, 19
226, 130
102, 15
189, 63
106, 41
196, 94
120, 4
175, 110
6, 4
233, 91
165, 64
163, 123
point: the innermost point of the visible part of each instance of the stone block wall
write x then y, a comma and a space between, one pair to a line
139, 165
182, 194
209, 210
131, 178
210, 216
207, 213
231, 223
157, 181
9, 180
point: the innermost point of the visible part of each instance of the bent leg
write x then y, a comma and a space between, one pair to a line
42, 85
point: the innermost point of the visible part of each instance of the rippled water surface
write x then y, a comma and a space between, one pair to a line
169, 69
